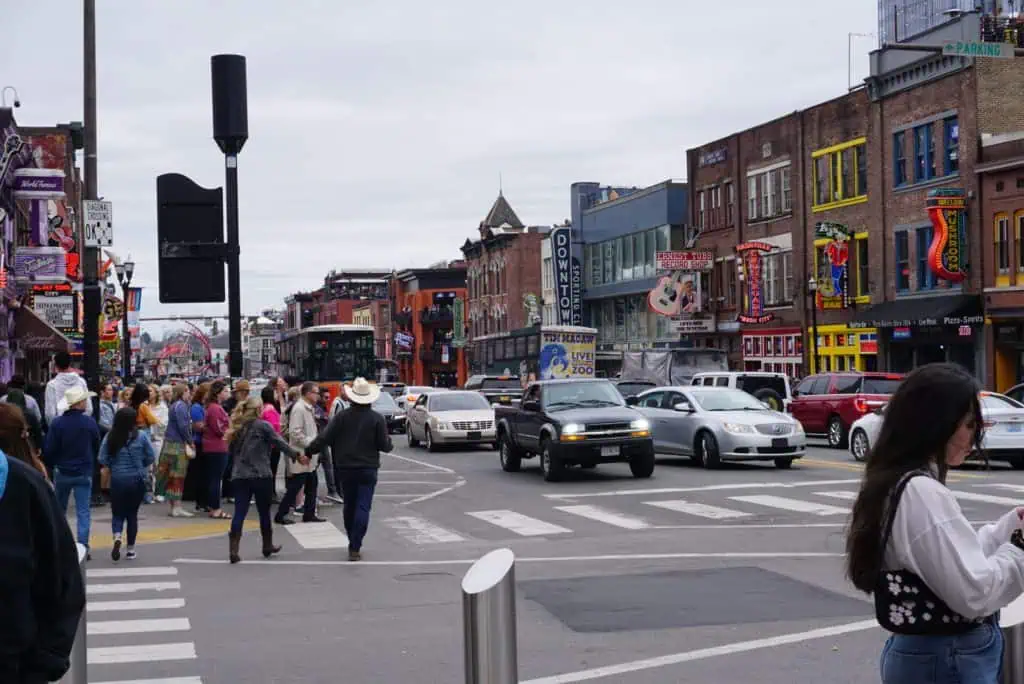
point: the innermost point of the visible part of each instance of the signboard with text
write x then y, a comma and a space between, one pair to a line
568, 275
689, 260
947, 256
750, 257
98, 223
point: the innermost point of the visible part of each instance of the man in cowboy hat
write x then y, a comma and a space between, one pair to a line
356, 436
70, 451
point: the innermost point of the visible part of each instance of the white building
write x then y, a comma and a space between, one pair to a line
547, 284
258, 335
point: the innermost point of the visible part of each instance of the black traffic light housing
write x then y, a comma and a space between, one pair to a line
190, 240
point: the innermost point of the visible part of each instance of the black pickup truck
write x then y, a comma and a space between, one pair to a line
498, 389
574, 422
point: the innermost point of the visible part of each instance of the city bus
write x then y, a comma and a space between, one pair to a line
329, 355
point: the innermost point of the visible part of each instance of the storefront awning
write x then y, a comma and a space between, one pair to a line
909, 312
32, 333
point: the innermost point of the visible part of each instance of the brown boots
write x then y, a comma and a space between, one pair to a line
269, 549
268, 545
233, 543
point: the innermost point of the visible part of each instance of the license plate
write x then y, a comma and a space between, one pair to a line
472, 435
1014, 427
505, 399
780, 442
610, 451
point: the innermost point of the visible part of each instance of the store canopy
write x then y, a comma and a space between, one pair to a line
958, 309
33, 333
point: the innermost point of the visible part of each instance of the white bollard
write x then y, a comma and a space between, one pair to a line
489, 620
77, 673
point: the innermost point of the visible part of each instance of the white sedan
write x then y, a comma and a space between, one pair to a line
1003, 439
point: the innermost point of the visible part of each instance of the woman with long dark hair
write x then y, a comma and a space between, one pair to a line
938, 584
252, 439
215, 447
145, 419
15, 436
35, 429
127, 451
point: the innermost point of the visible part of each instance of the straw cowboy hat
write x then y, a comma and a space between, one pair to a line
72, 396
362, 392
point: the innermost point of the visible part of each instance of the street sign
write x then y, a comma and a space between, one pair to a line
98, 223
978, 49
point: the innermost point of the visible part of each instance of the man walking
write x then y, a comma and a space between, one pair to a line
356, 437
301, 471
61, 383
70, 452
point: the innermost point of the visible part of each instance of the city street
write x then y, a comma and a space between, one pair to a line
693, 575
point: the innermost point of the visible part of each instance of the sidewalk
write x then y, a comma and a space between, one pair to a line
155, 525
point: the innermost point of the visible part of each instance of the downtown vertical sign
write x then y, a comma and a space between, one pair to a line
568, 278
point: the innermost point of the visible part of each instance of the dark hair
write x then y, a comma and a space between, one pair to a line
308, 387
215, 389
62, 360
920, 419
140, 395
17, 381
122, 431
199, 395
14, 436
269, 396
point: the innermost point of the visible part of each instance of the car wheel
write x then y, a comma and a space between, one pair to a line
428, 440
770, 397
707, 448
859, 444
551, 466
836, 433
509, 456
413, 442
642, 465
783, 463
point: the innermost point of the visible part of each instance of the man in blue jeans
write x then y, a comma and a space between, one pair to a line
356, 436
70, 452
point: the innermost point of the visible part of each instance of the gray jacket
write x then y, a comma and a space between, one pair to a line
301, 433
251, 450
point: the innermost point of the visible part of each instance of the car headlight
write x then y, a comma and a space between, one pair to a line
572, 429
737, 428
440, 425
798, 428
640, 424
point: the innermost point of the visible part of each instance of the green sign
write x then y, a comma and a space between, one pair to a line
978, 49
459, 323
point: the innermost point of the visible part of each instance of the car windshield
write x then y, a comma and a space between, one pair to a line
727, 400
459, 401
998, 401
501, 383
419, 390
384, 402
628, 389
566, 395
880, 385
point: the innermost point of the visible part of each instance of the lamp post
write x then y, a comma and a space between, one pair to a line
812, 291
124, 272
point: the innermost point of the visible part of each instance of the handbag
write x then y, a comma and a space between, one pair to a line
190, 451
904, 604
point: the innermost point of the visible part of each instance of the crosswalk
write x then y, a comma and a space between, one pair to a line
135, 624
559, 516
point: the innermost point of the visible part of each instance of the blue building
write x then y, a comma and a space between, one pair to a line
620, 230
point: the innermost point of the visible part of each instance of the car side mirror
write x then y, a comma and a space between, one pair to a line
795, 393
632, 400
531, 405
683, 407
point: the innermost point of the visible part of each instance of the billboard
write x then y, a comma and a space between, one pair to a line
749, 255
834, 290
947, 256
568, 278
567, 354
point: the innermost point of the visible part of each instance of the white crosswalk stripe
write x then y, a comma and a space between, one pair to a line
318, 536
112, 647
989, 498
787, 504
701, 510
518, 523
845, 496
420, 531
602, 515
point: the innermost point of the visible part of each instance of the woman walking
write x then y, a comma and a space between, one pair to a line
128, 452
35, 430
271, 413
198, 416
938, 584
215, 447
252, 441
177, 451
15, 440
145, 419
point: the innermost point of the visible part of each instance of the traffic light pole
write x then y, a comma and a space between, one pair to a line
92, 304
234, 278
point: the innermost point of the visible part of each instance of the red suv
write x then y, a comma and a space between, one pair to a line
827, 404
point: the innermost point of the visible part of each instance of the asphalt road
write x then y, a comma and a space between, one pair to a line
692, 575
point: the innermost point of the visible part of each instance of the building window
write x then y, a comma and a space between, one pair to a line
1019, 219
547, 277
838, 177
767, 205
778, 278
730, 202
900, 159
863, 286
627, 258
700, 210
924, 164
596, 271
902, 261
730, 283
752, 197
787, 193
1001, 234
926, 279
951, 145
639, 252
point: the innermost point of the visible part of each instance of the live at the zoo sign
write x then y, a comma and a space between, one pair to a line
568, 275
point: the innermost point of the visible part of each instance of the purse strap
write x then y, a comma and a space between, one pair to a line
893, 503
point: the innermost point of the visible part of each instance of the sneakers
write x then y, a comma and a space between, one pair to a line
130, 555
179, 512
315, 519
354, 555
284, 521
115, 553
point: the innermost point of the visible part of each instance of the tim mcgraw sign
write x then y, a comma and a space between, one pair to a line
568, 275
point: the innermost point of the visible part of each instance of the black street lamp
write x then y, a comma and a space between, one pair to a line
812, 292
124, 272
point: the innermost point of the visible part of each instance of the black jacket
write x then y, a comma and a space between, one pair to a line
356, 437
41, 590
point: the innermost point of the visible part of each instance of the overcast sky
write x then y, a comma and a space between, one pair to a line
378, 130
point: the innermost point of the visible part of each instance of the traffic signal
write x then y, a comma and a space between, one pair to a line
190, 241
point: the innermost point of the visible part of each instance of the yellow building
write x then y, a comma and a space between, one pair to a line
842, 348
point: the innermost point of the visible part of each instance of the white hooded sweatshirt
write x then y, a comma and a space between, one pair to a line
55, 390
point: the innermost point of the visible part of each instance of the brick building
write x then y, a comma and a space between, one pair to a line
424, 325
502, 267
376, 314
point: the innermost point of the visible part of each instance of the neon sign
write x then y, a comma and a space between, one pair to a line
749, 253
947, 256
834, 292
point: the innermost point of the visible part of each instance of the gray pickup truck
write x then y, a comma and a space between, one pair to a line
574, 423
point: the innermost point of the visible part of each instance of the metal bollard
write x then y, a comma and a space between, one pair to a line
77, 674
489, 620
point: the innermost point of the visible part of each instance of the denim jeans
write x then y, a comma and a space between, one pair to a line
307, 482
216, 464
81, 485
357, 486
972, 658
126, 495
261, 489
328, 465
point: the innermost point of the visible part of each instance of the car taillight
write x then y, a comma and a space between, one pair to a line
988, 423
860, 405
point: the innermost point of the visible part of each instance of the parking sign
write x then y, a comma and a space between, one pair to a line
98, 223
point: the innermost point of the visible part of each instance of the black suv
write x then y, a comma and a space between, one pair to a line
498, 389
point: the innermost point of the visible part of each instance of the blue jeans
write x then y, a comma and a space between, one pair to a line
259, 488
126, 496
216, 464
357, 487
81, 485
972, 658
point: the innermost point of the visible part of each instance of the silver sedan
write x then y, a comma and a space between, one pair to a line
716, 424
441, 418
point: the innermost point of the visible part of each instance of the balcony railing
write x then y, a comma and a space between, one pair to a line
436, 316
433, 355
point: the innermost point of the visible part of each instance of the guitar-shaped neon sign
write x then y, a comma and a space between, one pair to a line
674, 294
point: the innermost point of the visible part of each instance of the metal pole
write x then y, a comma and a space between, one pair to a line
92, 303
77, 673
126, 360
489, 620
814, 331
234, 279
1011, 620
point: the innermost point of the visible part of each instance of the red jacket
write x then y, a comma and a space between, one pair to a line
217, 422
